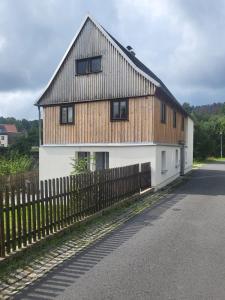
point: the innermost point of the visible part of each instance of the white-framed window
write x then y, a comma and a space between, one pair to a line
163, 162
2, 137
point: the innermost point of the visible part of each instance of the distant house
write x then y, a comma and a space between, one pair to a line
103, 102
8, 134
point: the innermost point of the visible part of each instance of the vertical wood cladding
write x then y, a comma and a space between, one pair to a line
117, 78
164, 132
93, 125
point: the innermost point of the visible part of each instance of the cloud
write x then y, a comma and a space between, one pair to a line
19, 104
181, 41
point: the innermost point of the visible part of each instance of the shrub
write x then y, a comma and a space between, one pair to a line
14, 165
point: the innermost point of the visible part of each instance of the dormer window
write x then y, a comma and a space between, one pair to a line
88, 65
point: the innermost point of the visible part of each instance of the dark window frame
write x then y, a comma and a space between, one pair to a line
163, 112
88, 60
73, 110
113, 119
174, 118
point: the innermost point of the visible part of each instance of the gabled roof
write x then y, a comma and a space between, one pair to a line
8, 128
133, 60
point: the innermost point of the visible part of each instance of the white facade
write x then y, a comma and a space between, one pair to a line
56, 160
189, 134
3, 140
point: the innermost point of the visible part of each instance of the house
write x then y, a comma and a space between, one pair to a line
103, 102
8, 134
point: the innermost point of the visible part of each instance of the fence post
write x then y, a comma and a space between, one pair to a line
2, 236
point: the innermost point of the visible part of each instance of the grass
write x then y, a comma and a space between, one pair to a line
215, 159
198, 164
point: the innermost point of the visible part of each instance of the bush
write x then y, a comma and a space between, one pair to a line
82, 165
14, 165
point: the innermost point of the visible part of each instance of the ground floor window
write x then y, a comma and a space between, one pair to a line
163, 162
177, 158
102, 160
84, 158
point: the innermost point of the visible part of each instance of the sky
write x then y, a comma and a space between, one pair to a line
182, 42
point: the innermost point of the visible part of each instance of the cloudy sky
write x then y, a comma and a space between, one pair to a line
183, 42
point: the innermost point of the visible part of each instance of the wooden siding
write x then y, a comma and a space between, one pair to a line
93, 125
117, 79
165, 133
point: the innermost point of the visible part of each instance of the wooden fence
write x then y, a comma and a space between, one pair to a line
19, 180
35, 211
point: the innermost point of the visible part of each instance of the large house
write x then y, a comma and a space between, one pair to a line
103, 102
8, 134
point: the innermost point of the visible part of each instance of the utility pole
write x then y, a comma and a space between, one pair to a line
221, 144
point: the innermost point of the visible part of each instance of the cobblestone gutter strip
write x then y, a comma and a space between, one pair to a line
22, 277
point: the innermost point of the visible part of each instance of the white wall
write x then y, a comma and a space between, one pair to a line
189, 139
171, 170
55, 161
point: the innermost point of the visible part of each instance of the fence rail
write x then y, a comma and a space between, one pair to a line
34, 211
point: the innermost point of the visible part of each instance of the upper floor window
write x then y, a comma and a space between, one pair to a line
67, 114
2, 137
182, 124
163, 112
119, 109
174, 119
88, 65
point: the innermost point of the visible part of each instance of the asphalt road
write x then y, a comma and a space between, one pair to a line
173, 251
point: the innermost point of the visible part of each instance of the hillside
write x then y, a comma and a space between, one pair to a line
209, 124
209, 109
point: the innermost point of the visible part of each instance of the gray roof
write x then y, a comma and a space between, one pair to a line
162, 89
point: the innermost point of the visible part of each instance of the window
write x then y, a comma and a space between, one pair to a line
163, 162
163, 112
67, 114
88, 65
119, 109
102, 160
85, 157
176, 159
2, 137
182, 124
174, 119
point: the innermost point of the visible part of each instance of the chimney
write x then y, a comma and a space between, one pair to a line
130, 49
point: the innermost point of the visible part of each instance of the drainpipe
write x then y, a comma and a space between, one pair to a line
39, 125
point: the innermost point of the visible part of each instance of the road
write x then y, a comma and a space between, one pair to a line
174, 251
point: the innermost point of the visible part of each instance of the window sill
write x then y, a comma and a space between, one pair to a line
88, 73
119, 120
63, 124
164, 171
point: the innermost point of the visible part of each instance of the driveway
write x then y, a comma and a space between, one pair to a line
174, 251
